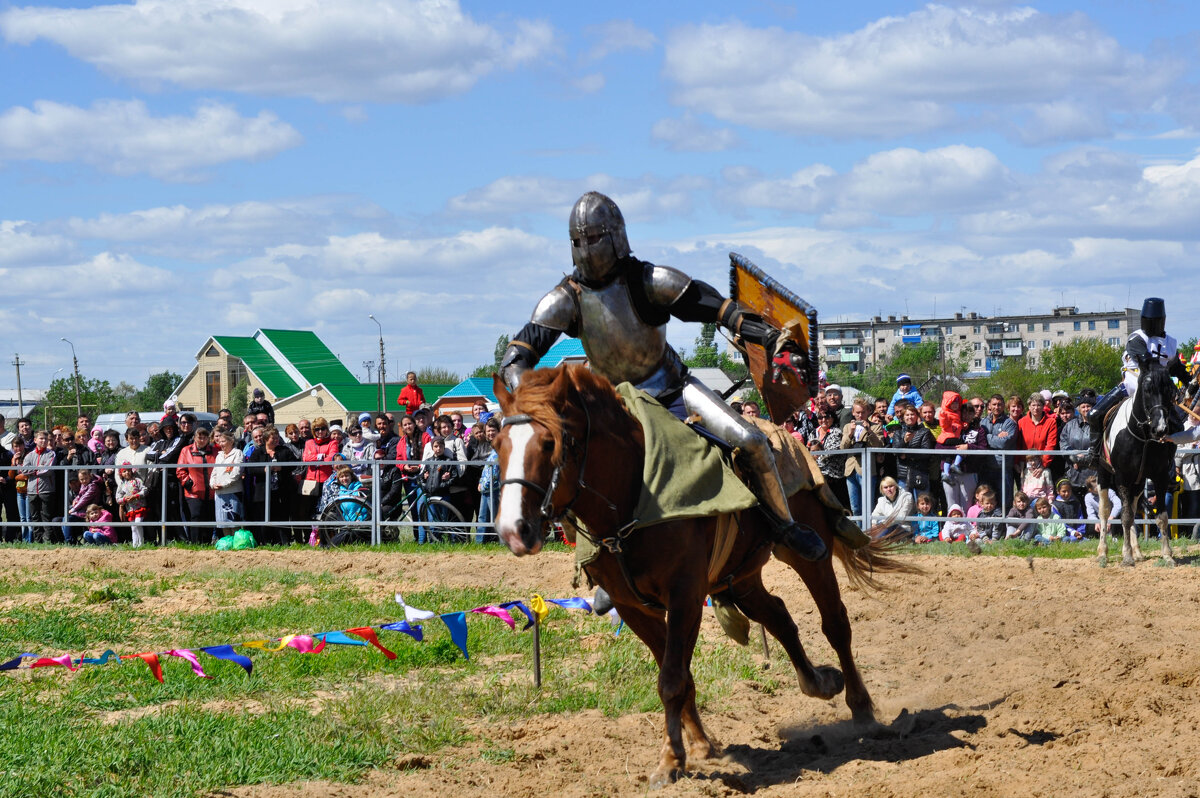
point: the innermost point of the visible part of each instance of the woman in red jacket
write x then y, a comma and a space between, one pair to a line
197, 495
321, 448
1039, 430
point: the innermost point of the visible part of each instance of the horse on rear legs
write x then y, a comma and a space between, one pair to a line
568, 444
1136, 452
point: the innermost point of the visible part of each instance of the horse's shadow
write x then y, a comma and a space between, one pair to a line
827, 747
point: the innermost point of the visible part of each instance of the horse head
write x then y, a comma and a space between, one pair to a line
536, 474
1156, 394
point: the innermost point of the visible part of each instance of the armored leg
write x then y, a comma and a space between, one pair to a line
1096, 420
755, 454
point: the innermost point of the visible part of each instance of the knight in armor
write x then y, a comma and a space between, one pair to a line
1149, 342
618, 306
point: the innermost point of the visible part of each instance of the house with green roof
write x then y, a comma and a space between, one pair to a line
297, 372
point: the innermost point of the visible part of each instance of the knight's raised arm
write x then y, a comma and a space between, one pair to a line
700, 302
554, 315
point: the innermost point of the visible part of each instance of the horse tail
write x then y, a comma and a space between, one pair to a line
864, 565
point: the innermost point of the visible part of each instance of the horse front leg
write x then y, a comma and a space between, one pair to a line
1129, 544
822, 584
1164, 531
1105, 512
675, 686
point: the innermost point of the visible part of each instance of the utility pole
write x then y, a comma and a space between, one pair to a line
368, 365
382, 365
18, 362
78, 399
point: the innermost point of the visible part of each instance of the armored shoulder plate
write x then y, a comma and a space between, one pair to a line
556, 310
664, 285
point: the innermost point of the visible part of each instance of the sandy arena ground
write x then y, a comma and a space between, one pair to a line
993, 677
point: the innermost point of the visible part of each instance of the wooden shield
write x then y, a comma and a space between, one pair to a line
782, 309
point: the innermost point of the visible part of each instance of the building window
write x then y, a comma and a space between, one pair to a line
978, 363
1029, 327
1045, 344
212, 352
1114, 341
1045, 326
1114, 324
1031, 344
212, 391
1091, 325
883, 340
975, 329
976, 346
1075, 326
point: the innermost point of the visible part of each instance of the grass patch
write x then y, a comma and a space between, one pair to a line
114, 730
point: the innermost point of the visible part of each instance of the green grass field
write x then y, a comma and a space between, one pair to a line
114, 730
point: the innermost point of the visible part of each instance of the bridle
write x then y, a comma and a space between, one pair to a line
1144, 419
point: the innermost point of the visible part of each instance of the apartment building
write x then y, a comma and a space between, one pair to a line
986, 340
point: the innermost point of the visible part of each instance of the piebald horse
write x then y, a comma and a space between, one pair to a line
1136, 452
569, 445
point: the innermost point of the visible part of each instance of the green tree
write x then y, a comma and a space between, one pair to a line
1012, 378
239, 399
96, 396
437, 375
705, 355
159, 388
1081, 363
501, 347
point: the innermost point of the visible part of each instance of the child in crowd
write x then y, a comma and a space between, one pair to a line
100, 532
1091, 503
96, 441
350, 486
984, 508
905, 392
950, 421
1021, 508
957, 528
131, 498
1048, 533
90, 491
438, 475
1067, 506
925, 531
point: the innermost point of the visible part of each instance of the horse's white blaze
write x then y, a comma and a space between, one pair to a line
509, 517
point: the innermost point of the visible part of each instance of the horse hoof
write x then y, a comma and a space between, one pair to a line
664, 776
1127, 562
829, 682
1167, 562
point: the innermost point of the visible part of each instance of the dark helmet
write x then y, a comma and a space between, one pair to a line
597, 236
1154, 317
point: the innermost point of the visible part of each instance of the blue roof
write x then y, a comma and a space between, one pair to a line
472, 386
566, 348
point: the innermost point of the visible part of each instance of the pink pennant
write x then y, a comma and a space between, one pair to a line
64, 661
497, 612
304, 644
183, 653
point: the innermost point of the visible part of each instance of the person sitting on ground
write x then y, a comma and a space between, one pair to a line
99, 531
893, 504
983, 509
926, 531
1068, 507
1021, 508
906, 392
956, 528
1050, 532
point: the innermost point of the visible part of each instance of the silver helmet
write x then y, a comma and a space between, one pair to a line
598, 238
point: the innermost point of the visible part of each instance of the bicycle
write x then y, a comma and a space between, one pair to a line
350, 519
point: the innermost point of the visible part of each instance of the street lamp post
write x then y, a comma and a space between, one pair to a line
382, 365
78, 398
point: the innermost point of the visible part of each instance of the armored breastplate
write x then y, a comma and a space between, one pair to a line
619, 344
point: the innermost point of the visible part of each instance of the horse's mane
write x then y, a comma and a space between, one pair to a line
1158, 377
546, 395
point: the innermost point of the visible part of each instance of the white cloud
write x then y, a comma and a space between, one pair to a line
646, 198
348, 51
21, 244
688, 134
1053, 76
590, 84
121, 137
617, 35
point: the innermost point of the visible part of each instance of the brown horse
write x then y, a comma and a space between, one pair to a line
569, 444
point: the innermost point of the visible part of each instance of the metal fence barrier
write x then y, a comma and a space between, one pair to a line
868, 456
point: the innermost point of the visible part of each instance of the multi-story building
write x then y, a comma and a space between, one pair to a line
986, 340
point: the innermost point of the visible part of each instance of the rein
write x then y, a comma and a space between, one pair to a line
548, 515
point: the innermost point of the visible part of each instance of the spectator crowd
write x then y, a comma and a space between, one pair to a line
954, 495
95, 486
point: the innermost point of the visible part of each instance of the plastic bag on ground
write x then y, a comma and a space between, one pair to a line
243, 539
225, 543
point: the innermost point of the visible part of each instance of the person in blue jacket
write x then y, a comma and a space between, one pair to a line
904, 390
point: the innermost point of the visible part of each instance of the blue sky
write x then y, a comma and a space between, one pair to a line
180, 168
